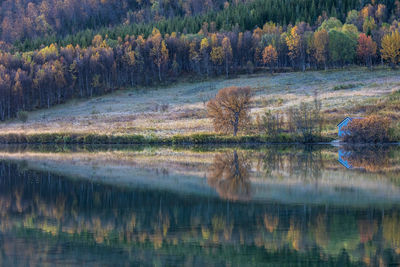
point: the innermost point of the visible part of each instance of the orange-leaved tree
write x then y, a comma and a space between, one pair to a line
366, 48
230, 109
372, 129
321, 42
270, 56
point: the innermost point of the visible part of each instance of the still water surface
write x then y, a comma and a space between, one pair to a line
146, 206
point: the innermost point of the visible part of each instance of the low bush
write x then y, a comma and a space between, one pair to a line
372, 129
22, 116
394, 133
344, 86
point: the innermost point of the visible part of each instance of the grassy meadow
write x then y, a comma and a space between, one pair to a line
180, 109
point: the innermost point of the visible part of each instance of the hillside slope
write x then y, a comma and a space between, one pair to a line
180, 108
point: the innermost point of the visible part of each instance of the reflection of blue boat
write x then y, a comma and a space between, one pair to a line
341, 158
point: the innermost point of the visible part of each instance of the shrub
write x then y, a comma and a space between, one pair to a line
307, 120
345, 86
164, 107
272, 123
373, 129
394, 133
22, 116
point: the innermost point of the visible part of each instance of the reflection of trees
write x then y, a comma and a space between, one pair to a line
229, 175
369, 158
310, 163
163, 223
320, 231
391, 230
306, 163
271, 222
367, 229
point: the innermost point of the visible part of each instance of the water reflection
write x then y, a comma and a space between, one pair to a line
229, 175
305, 162
48, 217
368, 158
155, 226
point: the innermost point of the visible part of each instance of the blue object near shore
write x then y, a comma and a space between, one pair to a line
342, 125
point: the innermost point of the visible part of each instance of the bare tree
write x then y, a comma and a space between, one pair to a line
229, 109
308, 119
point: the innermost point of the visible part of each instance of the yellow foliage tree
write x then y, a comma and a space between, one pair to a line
204, 44
97, 40
293, 42
214, 40
369, 25
391, 48
217, 55
193, 54
49, 52
204, 51
159, 51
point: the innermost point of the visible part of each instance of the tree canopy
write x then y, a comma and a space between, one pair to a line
230, 109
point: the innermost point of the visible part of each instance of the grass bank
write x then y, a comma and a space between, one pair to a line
201, 138
180, 108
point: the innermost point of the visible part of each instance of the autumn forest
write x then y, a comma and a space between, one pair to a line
86, 51
200, 133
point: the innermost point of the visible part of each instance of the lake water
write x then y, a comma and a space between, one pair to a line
202, 206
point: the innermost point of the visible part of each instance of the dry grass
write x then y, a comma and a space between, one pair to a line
145, 110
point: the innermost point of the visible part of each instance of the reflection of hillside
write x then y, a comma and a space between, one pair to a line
295, 174
164, 224
229, 175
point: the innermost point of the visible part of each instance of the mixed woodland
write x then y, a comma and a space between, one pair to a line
55, 50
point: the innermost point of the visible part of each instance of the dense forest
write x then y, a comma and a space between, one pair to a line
49, 75
29, 19
74, 22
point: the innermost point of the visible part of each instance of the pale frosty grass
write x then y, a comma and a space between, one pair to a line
137, 111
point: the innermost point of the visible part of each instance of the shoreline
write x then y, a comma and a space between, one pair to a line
212, 139
192, 139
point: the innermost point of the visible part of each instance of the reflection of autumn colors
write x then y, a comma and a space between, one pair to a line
229, 175
56, 209
271, 222
367, 230
371, 159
